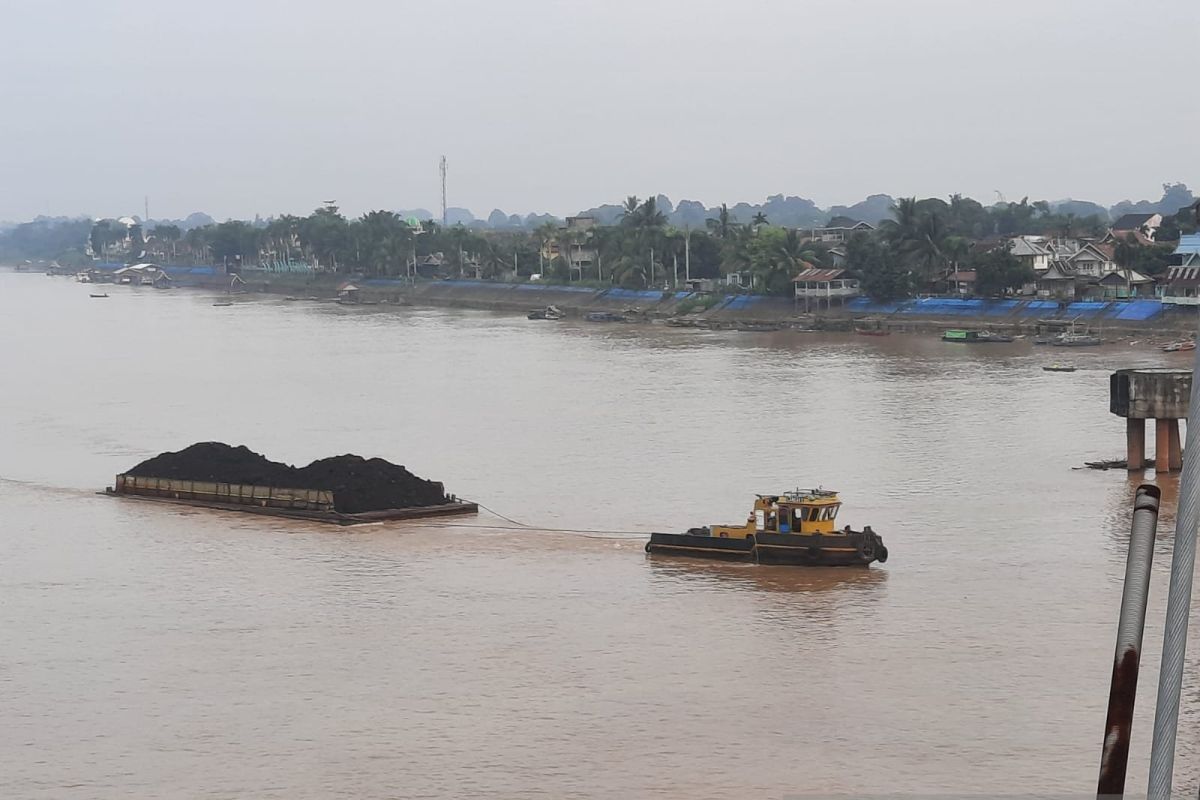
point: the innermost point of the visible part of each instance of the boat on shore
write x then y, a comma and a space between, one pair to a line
1076, 340
98, 295
794, 528
759, 327
1178, 347
549, 312
605, 316
974, 337
1058, 368
872, 332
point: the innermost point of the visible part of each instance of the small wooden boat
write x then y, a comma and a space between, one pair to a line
872, 332
795, 528
549, 312
98, 295
604, 316
1058, 368
223, 303
1077, 340
1176, 347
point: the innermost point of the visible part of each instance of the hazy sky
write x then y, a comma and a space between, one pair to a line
270, 106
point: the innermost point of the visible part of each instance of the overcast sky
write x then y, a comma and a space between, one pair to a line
272, 106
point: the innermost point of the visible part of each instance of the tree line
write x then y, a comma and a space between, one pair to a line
922, 244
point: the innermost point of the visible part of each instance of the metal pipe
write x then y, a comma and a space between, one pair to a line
1121, 696
1179, 601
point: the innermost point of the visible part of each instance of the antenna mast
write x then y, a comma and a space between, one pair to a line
443, 170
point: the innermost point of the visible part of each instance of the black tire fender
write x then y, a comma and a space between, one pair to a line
867, 550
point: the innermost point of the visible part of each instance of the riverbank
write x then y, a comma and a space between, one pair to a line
704, 310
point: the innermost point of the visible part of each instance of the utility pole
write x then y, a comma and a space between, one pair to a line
443, 170
651, 281
687, 255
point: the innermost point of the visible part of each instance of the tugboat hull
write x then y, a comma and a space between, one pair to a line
824, 550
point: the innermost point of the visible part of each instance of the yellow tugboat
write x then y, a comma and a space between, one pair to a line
792, 528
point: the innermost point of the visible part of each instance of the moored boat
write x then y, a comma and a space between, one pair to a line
549, 312
872, 332
1077, 340
1176, 347
604, 316
794, 528
974, 337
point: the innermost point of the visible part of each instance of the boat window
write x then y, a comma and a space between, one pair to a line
829, 512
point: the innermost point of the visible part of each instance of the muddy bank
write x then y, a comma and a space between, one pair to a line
724, 311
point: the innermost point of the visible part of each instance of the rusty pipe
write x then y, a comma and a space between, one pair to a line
1118, 726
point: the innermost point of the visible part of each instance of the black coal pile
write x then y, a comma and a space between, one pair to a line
358, 484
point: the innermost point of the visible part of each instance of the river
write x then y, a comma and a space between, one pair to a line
154, 651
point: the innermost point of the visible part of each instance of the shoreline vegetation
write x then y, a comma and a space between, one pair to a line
905, 247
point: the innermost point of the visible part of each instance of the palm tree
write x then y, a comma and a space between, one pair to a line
907, 220
925, 249
723, 224
629, 210
759, 219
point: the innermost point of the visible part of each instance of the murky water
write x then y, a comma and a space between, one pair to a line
153, 651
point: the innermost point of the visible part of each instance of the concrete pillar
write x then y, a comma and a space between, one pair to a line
1175, 454
1162, 446
1135, 444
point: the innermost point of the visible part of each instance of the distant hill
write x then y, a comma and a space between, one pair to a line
873, 210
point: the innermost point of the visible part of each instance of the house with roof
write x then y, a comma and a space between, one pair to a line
816, 286
1122, 284
1182, 286
962, 282
580, 252
839, 229
1031, 251
1058, 282
1147, 224
1092, 260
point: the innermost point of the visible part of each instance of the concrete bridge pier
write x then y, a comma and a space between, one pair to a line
1158, 394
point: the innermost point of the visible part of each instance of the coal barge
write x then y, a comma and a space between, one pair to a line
343, 490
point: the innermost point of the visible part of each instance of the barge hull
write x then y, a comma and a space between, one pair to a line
684, 544
316, 505
844, 550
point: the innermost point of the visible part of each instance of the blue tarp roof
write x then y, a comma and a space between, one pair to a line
1189, 244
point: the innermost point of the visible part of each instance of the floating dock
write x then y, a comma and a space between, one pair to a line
316, 505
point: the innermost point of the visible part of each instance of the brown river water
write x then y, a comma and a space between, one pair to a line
155, 651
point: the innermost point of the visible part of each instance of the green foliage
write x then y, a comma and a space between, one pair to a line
326, 233
234, 242
882, 274
1151, 260
776, 255
997, 271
